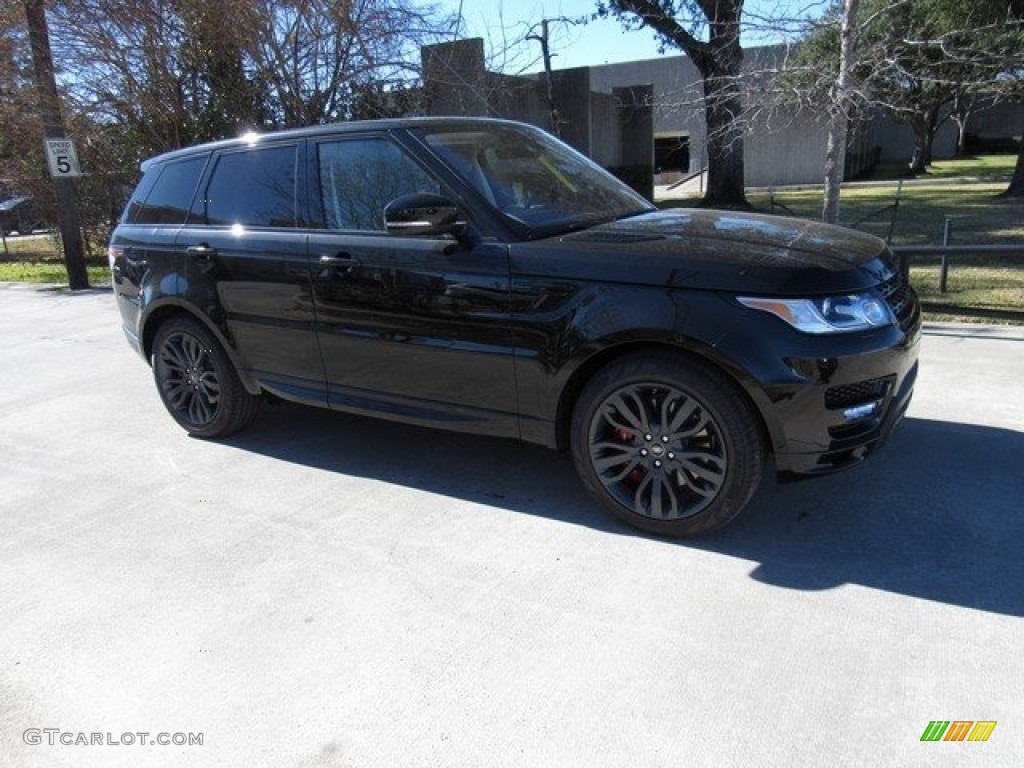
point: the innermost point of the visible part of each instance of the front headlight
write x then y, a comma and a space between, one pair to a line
832, 314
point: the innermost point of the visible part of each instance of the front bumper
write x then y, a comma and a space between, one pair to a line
828, 402
864, 437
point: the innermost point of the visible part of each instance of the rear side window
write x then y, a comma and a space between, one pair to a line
165, 193
255, 188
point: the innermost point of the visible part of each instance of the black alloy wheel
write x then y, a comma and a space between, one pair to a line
197, 382
667, 444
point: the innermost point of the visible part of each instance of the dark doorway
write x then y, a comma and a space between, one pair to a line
672, 154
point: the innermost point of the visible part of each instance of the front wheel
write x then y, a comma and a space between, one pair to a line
197, 382
667, 444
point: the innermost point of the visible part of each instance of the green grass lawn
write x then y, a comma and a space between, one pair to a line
996, 167
973, 283
977, 166
38, 260
978, 216
48, 272
45, 247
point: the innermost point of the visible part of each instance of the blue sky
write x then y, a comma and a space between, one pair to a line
597, 42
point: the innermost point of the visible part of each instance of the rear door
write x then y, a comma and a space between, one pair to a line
245, 252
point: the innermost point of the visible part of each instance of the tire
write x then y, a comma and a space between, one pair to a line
197, 382
668, 444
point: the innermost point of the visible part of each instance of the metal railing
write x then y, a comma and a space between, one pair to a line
906, 254
945, 251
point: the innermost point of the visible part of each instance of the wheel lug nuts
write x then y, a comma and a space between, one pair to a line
664, 438
647, 437
657, 463
671, 455
643, 451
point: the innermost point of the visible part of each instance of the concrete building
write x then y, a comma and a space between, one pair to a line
614, 127
644, 120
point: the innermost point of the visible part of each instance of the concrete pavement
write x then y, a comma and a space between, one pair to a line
324, 590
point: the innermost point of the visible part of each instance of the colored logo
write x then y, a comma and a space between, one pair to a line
958, 730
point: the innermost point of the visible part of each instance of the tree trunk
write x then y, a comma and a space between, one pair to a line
549, 83
835, 166
719, 60
925, 126
961, 136
918, 161
929, 137
963, 107
931, 128
835, 150
1016, 188
722, 102
723, 109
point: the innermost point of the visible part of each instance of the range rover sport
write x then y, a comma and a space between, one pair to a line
479, 275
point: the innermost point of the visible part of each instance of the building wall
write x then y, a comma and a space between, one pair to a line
604, 134
455, 78
897, 140
600, 116
676, 96
614, 128
779, 148
1005, 119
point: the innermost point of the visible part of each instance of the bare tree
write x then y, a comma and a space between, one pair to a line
19, 114
839, 113
182, 71
719, 59
138, 63
921, 62
318, 56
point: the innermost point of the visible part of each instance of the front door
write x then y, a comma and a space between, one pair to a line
416, 328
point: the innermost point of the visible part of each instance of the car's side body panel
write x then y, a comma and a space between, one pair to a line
495, 331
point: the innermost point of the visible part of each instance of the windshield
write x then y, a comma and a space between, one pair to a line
533, 178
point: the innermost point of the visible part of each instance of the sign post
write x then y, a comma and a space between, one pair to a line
62, 157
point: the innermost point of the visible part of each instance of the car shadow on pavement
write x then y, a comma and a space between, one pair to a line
937, 514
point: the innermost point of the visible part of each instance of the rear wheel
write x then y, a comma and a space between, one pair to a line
197, 382
668, 444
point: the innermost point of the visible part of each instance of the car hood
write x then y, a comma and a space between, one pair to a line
713, 250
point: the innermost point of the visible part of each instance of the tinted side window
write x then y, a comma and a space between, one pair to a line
358, 177
140, 193
168, 196
255, 188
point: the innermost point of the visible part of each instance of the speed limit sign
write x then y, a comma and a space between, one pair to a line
62, 157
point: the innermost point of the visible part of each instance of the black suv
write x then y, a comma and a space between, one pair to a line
481, 276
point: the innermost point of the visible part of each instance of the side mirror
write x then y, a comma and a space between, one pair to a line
423, 215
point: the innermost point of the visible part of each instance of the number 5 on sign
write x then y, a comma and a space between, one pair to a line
62, 157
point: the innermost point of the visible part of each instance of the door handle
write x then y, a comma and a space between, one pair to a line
342, 263
201, 252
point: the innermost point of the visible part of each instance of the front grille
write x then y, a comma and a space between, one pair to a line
902, 301
849, 395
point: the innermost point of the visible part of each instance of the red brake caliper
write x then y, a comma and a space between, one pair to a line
628, 437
